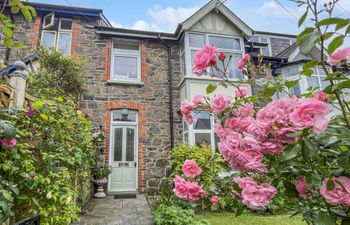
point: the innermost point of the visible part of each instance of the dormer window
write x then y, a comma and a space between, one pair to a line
57, 33
230, 45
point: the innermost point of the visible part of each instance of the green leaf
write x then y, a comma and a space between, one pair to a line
310, 65
344, 160
342, 25
8, 42
211, 88
291, 151
347, 30
329, 21
307, 30
60, 99
344, 84
302, 18
307, 42
327, 35
309, 149
307, 72
291, 83
45, 117
37, 104
14, 10
324, 219
335, 43
330, 185
290, 191
27, 15
36, 202
7, 31
313, 180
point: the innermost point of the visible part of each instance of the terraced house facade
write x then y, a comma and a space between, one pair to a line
136, 80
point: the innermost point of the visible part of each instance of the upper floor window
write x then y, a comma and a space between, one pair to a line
125, 60
315, 81
266, 49
57, 33
228, 44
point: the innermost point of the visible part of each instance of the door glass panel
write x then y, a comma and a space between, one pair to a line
202, 139
118, 144
130, 144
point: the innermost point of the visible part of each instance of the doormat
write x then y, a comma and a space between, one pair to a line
123, 196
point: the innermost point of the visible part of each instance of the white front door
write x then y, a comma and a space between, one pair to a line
123, 158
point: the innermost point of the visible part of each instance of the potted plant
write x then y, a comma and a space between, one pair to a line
101, 173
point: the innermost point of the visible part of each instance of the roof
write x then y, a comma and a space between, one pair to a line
288, 51
275, 34
219, 6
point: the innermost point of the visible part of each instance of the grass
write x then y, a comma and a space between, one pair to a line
250, 219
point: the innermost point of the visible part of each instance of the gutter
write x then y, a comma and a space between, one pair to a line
170, 86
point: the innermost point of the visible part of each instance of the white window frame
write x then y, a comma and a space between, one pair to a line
125, 53
52, 22
303, 79
188, 49
191, 132
57, 35
268, 44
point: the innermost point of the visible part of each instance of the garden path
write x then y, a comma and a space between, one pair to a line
110, 211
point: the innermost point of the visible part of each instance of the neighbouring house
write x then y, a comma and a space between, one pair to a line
136, 79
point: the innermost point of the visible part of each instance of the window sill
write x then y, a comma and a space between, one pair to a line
126, 82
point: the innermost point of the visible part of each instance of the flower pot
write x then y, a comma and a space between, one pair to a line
100, 183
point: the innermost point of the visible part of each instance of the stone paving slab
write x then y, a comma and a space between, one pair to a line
110, 211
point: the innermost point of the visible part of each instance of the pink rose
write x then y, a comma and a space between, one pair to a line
186, 108
253, 155
272, 147
9, 143
191, 169
220, 103
241, 92
244, 182
246, 57
221, 56
321, 96
257, 197
255, 130
195, 192
339, 57
311, 113
241, 63
197, 99
204, 58
245, 110
301, 186
249, 142
180, 189
340, 194
232, 122
256, 167
269, 116
214, 199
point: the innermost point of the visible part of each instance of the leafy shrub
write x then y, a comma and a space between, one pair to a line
57, 75
54, 153
174, 215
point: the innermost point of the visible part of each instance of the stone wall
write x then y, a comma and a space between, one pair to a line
278, 45
150, 99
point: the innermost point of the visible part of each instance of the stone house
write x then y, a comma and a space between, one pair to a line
136, 80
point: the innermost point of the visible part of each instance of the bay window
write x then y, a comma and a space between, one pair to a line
57, 34
230, 45
125, 64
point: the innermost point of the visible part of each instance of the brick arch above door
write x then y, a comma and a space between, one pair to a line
139, 107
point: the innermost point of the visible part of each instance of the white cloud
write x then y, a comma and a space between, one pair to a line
143, 25
116, 24
168, 18
272, 8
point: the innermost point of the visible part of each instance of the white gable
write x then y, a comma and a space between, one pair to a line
215, 22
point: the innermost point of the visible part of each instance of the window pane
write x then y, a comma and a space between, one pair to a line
124, 115
313, 82
130, 144
321, 71
295, 90
186, 138
196, 40
225, 42
202, 121
125, 67
66, 25
263, 39
202, 139
48, 39
265, 51
324, 83
64, 43
291, 72
183, 65
118, 144
193, 53
126, 45
232, 71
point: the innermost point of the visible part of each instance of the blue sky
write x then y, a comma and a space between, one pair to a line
164, 15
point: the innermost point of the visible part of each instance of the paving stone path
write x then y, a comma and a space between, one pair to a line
110, 211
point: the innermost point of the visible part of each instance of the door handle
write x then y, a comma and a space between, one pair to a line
135, 164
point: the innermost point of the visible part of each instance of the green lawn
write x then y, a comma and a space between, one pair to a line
250, 219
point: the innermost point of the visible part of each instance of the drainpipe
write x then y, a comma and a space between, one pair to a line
170, 86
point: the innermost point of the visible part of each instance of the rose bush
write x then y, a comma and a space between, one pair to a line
291, 147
